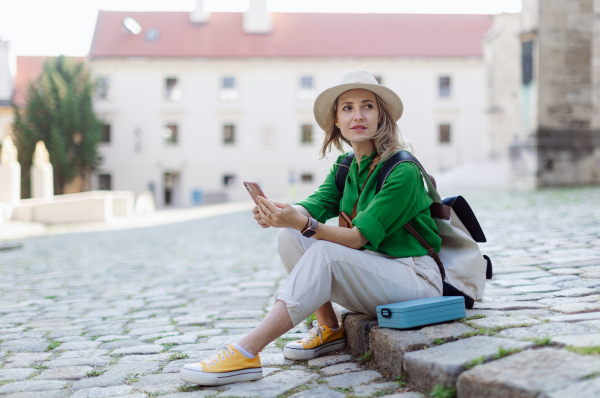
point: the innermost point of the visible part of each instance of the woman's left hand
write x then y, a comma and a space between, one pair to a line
280, 215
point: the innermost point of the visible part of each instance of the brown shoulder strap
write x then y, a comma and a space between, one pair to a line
427, 246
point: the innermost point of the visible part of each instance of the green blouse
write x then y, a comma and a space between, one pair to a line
380, 217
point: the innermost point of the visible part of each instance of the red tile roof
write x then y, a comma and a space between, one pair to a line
29, 68
293, 35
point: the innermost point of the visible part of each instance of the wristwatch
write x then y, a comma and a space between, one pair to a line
311, 227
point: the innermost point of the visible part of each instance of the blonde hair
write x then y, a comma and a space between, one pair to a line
387, 138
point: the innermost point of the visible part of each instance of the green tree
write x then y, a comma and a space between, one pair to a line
59, 112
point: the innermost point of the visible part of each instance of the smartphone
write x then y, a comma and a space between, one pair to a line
254, 190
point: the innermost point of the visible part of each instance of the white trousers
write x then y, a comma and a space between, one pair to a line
321, 271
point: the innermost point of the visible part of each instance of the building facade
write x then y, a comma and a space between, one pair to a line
194, 104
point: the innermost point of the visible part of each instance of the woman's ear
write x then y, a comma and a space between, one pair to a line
336, 122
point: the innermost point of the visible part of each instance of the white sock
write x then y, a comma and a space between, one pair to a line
336, 329
243, 352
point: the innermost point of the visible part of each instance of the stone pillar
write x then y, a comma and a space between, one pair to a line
42, 178
557, 144
10, 174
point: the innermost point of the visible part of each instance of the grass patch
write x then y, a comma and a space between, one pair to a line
478, 316
595, 350
189, 387
490, 331
542, 341
474, 362
385, 391
156, 393
365, 357
280, 342
178, 355
168, 346
345, 389
5, 381
50, 297
321, 381
95, 373
439, 341
300, 388
504, 352
133, 378
40, 367
309, 320
591, 376
53, 344
440, 391
401, 381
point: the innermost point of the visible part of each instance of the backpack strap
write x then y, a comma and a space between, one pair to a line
405, 156
342, 172
389, 165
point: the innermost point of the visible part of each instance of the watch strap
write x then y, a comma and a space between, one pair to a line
310, 228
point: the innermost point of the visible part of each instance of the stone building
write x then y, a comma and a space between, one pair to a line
558, 142
7, 86
195, 103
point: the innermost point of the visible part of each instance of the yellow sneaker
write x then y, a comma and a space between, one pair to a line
226, 366
319, 341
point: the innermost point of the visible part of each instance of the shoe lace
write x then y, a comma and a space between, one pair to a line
316, 331
218, 356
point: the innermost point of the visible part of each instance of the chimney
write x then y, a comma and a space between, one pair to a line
257, 19
7, 71
199, 14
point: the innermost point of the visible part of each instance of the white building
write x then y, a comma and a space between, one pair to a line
195, 103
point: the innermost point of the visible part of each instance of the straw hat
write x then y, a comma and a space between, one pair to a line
350, 80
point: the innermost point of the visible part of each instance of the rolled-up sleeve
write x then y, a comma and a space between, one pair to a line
393, 206
324, 203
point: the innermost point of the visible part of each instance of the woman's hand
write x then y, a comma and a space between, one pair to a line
258, 218
279, 215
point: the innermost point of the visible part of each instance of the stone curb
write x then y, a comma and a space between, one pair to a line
415, 355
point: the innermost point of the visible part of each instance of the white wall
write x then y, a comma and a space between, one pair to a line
268, 115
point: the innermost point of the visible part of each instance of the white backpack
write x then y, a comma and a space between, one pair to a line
463, 267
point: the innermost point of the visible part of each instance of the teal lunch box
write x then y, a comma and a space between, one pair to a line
413, 313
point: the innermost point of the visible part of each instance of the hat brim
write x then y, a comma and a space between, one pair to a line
324, 102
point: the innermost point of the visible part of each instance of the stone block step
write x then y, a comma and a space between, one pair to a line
442, 365
546, 372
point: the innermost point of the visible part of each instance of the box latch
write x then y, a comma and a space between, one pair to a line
386, 313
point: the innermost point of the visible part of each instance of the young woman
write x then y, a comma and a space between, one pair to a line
376, 261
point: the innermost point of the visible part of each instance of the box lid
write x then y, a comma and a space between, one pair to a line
421, 304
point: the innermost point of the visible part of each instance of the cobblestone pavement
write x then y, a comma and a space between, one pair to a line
117, 313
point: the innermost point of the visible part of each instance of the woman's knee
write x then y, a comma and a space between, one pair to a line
288, 239
290, 247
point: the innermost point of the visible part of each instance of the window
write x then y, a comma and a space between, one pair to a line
228, 83
105, 133
228, 92
137, 140
229, 134
307, 134
228, 180
444, 130
527, 62
306, 82
306, 177
104, 181
102, 87
445, 86
172, 89
171, 134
